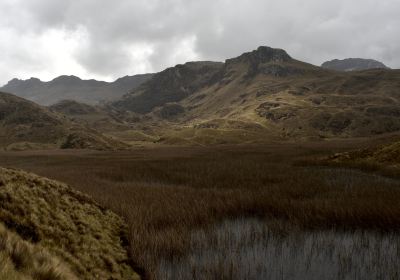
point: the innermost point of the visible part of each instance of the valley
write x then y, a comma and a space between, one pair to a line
199, 140
209, 170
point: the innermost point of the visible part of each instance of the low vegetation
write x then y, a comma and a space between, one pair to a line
168, 194
386, 155
50, 215
20, 259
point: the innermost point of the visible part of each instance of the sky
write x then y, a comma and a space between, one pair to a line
105, 39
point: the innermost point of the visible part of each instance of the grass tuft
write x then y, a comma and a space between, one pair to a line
20, 259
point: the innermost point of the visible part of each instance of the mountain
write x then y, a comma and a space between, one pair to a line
353, 64
258, 96
177, 83
50, 231
71, 87
170, 85
25, 125
264, 94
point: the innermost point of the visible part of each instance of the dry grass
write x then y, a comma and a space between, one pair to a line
65, 222
379, 158
166, 194
21, 260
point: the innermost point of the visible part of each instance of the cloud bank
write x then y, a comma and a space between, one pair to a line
107, 39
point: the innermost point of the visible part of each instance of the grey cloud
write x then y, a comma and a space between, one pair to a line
312, 30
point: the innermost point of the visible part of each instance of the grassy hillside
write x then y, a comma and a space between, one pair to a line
26, 125
101, 118
86, 238
379, 156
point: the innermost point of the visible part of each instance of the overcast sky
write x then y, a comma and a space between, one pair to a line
106, 39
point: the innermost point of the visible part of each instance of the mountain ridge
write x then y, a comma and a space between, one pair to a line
72, 87
265, 94
255, 97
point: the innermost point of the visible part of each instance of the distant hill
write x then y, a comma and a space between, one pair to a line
71, 87
353, 64
26, 125
264, 94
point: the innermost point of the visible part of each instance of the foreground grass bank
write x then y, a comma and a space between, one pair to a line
55, 226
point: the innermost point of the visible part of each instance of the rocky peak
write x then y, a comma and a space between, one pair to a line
262, 55
64, 79
265, 61
353, 64
17, 83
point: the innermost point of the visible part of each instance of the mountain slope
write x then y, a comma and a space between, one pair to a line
71, 87
170, 85
68, 225
103, 119
353, 64
24, 124
266, 94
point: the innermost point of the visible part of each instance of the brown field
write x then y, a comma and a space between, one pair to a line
168, 195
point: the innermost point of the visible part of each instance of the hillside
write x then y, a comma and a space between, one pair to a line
53, 232
170, 85
384, 155
71, 87
120, 125
26, 125
265, 94
353, 64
